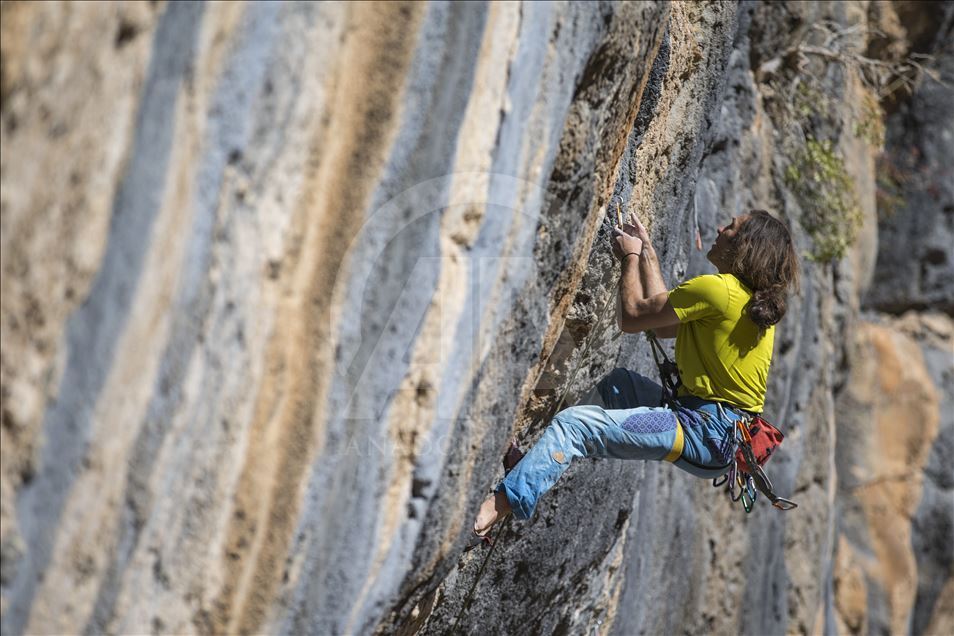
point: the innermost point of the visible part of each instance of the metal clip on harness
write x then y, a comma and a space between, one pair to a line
750, 482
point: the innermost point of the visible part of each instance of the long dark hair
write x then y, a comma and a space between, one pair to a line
763, 257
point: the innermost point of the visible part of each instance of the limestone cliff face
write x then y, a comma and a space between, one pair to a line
895, 427
281, 280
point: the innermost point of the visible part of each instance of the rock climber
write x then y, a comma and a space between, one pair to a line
724, 325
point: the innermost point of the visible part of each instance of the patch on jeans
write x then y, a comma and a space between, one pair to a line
558, 456
650, 422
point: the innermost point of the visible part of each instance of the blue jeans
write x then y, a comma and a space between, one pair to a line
621, 418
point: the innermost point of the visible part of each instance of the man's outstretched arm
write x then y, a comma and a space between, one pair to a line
643, 298
651, 274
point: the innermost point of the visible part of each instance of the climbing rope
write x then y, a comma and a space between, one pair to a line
750, 482
468, 599
480, 572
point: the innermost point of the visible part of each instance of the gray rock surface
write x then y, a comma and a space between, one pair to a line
916, 234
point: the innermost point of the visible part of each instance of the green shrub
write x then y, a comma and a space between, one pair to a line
869, 123
809, 102
830, 211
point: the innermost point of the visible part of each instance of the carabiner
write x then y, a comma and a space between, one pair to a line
725, 478
749, 494
784, 504
762, 482
747, 504
740, 482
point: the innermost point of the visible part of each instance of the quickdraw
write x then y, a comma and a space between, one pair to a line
668, 371
747, 475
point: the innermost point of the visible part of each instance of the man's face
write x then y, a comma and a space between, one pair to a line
718, 254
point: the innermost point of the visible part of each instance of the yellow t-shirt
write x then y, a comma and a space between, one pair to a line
718, 350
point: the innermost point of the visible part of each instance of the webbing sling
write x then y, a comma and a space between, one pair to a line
669, 380
668, 372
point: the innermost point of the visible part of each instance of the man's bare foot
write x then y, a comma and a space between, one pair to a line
494, 509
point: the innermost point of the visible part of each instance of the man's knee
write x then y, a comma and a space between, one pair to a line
567, 432
616, 383
578, 421
564, 424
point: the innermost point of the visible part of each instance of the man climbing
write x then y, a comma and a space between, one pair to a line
724, 329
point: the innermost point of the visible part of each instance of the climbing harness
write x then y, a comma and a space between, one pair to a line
754, 438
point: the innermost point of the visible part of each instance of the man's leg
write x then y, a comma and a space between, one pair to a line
624, 389
587, 431
536, 473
